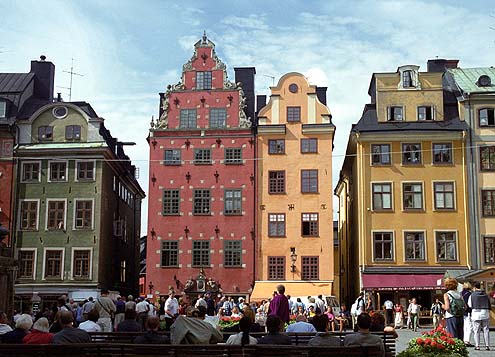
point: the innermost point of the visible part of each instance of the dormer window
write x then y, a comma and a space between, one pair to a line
73, 132
203, 80
45, 133
395, 113
487, 117
3, 109
409, 77
425, 112
484, 81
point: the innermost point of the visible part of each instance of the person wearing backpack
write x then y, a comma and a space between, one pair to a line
454, 307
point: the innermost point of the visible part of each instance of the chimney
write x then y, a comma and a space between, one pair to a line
59, 97
441, 65
44, 78
260, 102
245, 75
321, 93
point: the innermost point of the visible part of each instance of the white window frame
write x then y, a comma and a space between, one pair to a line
394, 243
433, 112
35, 261
456, 232
454, 201
389, 112
76, 177
30, 162
389, 154
62, 265
50, 170
90, 277
37, 215
415, 77
47, 201
3, 109
425, 235
391, 209
92, 214
423, 208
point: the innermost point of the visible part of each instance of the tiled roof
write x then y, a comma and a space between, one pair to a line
467, 78
369, 123
14, 82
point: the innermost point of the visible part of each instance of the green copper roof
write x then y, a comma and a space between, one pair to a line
467, 79
51, 146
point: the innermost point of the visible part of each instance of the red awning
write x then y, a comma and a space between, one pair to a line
402, 281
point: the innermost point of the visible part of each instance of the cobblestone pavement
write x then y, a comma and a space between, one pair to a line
405, 335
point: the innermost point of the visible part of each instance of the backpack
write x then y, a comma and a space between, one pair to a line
457, 306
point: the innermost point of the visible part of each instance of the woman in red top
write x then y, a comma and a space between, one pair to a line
39, 335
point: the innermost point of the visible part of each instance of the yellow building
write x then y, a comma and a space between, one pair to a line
403, 216
294, 193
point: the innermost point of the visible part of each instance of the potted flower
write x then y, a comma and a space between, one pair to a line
435, 343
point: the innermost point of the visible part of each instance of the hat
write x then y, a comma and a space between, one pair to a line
241, 299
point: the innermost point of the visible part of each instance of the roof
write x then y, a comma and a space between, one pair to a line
467, 78
369, 123
87, 108
14, 82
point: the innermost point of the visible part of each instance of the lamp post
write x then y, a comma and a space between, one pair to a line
151, 286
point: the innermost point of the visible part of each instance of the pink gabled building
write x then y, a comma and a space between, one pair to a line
201, 218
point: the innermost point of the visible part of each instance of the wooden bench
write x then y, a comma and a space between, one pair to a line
220, 350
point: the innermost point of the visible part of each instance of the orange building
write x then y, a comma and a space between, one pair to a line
294, 191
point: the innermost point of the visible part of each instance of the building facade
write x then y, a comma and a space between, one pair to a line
404, 219
78, 207
294, 191
202, 181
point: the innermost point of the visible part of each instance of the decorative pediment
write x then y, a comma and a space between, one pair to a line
201, 284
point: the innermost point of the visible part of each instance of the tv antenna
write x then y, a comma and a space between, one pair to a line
72, 73
272, 77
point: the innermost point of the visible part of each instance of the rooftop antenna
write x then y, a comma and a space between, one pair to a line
272, 77
71, 72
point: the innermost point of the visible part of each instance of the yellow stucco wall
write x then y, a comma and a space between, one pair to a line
293, 161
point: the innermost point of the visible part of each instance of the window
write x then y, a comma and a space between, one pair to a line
414, 244
233, 202
382, 196
53, 264
309, 225
276, 268
201, 253
310, 268
31, 171
73, 132
413, 196
232, 253
58, 171
425, 113
488, 203
383, 244
55, 215
172, 157
309, 181
203, 80
171, 202
85, 170
276, 182
487, 117
380, 154
444, 195
293, 114
170, 254
407, 79
3, 109
202, 156
276, 146
233, 156
29, 215
81, 264
411, 154
187, 118
442, 153
45, 133
26, 264
446, 246
84, 214
201, 202
218, 117
487, 158
489, 250
309, 146
276, 225
395, 114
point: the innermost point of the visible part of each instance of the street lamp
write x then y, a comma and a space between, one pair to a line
151, 286
293, 259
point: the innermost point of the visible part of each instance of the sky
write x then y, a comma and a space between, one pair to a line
129, 51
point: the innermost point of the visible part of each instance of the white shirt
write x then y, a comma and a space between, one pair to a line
478, 314
236, 340
142, 306
455, 295
413, 308
172, 305
90, 326
389, 304
201, 302
4, 328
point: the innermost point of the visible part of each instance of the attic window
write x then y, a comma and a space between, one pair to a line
3, 109
484, 81
60, 112
407, 79
45, 133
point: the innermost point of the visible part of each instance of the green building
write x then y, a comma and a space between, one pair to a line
78, 207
